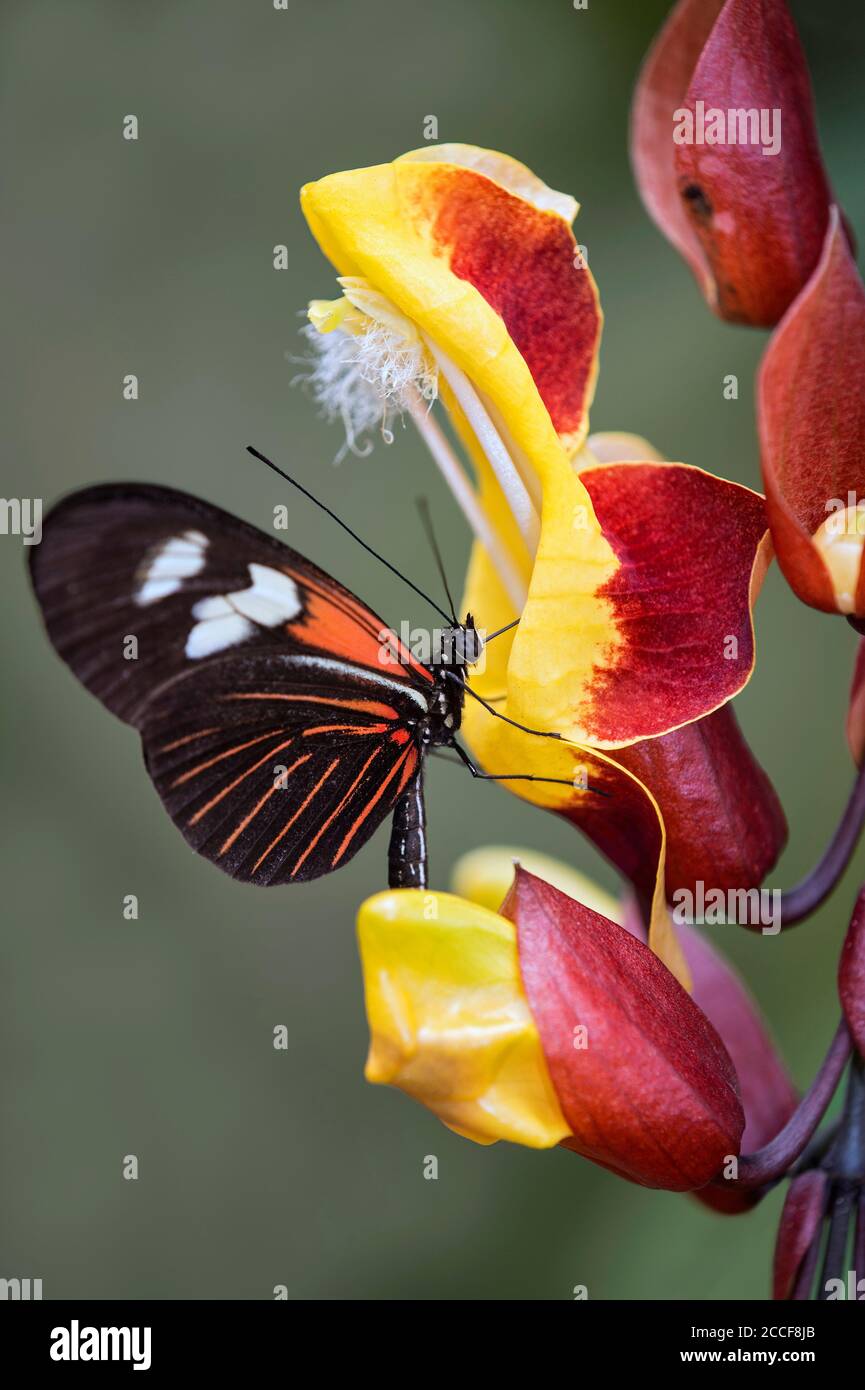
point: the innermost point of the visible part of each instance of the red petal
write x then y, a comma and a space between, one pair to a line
856, 708
522, 261
724, 821
691, 552
653, 1096
802, 1214
756, 220
851, 975
768, 1095
811, 412
660, 90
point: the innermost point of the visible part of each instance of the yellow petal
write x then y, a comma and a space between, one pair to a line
465, 245
612, 806
448, 1017
484, 876
616, 446
504, 170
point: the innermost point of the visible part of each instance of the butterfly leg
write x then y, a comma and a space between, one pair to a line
519, 776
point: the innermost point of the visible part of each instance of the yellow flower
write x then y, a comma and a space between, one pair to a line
449, 1021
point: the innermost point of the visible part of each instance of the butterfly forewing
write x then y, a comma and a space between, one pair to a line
275, 737
186, 581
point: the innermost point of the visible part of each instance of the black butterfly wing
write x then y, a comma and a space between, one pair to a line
275, 737
138, 584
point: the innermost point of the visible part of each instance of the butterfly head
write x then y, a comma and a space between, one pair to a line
463, 645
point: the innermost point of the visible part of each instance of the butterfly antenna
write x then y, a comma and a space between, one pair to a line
426, 522
393, 569
507, 627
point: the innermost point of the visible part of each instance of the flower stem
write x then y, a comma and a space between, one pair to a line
803, 899
771, 1162
845, 1166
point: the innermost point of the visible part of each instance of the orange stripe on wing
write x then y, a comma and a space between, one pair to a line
350, 632
333, 815
188, 738
410, 767
289, 823
345, 602
238, 748
277, 786
214, 800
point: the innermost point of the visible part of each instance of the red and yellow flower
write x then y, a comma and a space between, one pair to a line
632, 578
548, 1022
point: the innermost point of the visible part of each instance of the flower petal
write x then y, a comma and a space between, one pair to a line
753, 208
768, 1094
604, 800
449, 1021
725, 825
616, 446
800, 1220
856, 708
811, 413
660, 90
484, 262
851, 975
485, 876
607, 655
653, 1094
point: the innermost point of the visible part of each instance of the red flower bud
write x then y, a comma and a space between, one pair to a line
726, 156
653, 1094
811, 413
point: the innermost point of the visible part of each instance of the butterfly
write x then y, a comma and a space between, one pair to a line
281, 721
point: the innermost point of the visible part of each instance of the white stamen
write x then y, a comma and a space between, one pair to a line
454, 475
493, 445
364, 379
383, 365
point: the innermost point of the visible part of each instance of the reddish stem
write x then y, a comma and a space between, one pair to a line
771, 1162
803, 899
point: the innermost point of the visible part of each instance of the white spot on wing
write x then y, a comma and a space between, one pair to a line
167, 565
272, 598
215, 634
224, 620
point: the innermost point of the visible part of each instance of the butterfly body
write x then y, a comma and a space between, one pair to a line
277, 725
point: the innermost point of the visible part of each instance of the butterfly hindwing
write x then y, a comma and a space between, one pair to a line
274, 736
279, 768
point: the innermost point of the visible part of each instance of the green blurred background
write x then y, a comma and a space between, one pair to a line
154, 1037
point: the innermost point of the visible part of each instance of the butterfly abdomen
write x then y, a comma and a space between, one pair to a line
407, 853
